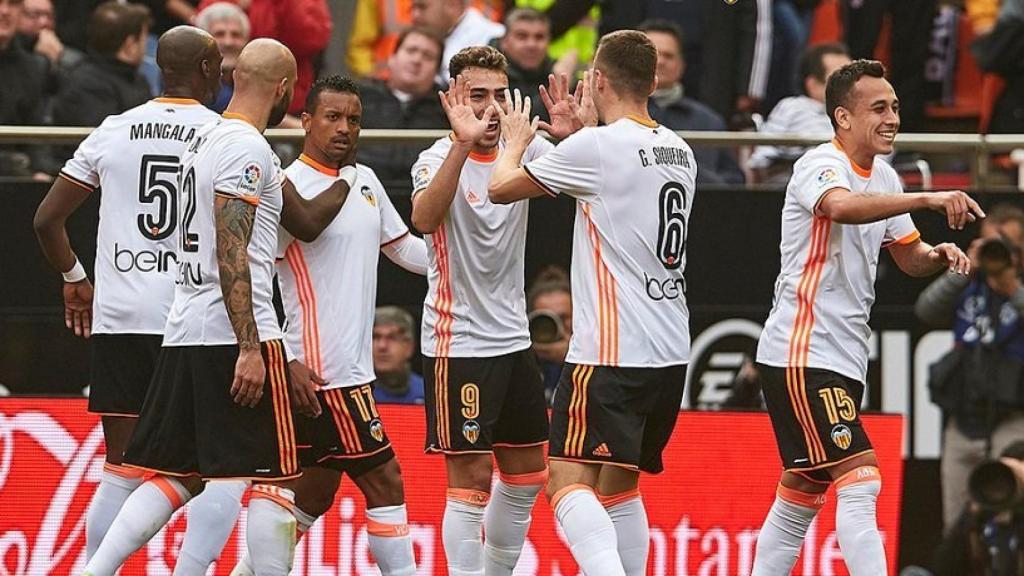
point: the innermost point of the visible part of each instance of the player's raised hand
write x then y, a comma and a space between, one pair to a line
516, 127
250, 373
959, 208
584, 96
563, 108
463, 120
78, 307
953, 257
305, 383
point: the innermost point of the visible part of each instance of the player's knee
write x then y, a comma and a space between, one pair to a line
866, 479
473, 472
383, 485
314, 500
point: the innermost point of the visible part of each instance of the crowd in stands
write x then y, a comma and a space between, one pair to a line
722, 65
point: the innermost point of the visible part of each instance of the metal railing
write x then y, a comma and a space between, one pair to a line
978, 148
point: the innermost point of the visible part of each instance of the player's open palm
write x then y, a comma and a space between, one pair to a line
568, 112
516, 126
461, 116
250, 373
959, 208
305, 383
78, 307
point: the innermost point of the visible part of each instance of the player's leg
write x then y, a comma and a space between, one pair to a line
121, 369
858, 483
798, 499
587, 527
163, 442
619, 492
386, 518
520, 438
211, 518
461, 411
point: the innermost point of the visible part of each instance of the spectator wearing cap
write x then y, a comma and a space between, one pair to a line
393, 346
804, 114
670, 106
304, 26
459, 24
107, 81
21, 95
229, 26
407, 99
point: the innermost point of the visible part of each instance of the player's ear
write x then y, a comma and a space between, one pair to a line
205, 67
306, 120
842, 117
282, 87
654, 85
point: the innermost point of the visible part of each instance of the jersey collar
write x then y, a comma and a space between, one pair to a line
237, 116
321, 168
642, 121
182, 101
858, 169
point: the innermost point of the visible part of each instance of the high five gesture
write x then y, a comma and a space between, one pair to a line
467, 127
568, 112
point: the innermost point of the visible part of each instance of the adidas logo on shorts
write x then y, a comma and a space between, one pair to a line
602, 451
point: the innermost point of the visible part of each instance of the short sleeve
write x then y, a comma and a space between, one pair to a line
900, 230
812, 179
537, 148
245, 170
573, 167
425, 168
83, 167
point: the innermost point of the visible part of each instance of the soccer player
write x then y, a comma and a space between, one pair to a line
206, 416
335, 278
133, 158
484, 394
622, 384
842, 205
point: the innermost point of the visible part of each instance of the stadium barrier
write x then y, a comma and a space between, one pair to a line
705, 510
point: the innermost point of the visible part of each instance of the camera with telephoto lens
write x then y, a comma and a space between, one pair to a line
998, 485
545, 327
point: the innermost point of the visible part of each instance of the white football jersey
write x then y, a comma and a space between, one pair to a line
633, 182
826, 287
133, 158
329, 286
229, 158
475, 304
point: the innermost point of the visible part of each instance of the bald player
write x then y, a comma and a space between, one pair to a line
220, 406
133, 157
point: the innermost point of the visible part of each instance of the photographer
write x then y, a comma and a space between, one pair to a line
978, 384
549, 302
988, 535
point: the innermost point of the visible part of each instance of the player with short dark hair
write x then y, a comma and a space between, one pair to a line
484, 395
133, 157
842, 205
331, 278
622, 384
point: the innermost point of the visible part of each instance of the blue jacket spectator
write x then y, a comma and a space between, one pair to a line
393, 347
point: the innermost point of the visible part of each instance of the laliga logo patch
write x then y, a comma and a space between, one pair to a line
841, 436
471, 431
368, 196
377, 430
250, 178
828, 176
421, 178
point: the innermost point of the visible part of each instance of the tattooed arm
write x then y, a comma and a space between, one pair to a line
234, 218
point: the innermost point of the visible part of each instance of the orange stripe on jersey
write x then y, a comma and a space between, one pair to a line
443, 298
908, 239
799, 342
77, 182
307, 303
332, 406
608, 314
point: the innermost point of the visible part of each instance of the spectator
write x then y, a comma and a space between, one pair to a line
73, 20
304, 26
670, 106
525, 45
407, 99
21, 95
1001, 52
392, 349
550, 297
36, 33
165, 14
977, 383
460, 25
229, 26
107, 81
799, 114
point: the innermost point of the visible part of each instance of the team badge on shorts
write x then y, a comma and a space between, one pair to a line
842, 436
377, 430
471, 431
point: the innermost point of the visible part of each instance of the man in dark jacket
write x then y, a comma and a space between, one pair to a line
107, 81
21, 95
670, 107
407, 99
525, 44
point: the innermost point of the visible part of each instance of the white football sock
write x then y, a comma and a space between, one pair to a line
856, 523
143, 515
211, 517
631, 529
270, 530
507, 519
589, 530
783, 531
388, 534
461, 531
302, 523
116, 484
